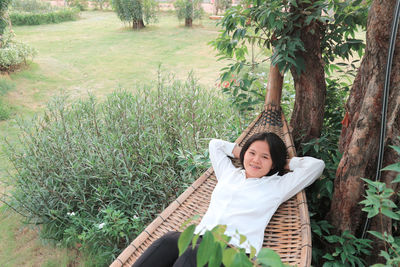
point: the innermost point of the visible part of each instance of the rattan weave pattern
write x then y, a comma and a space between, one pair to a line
288, 232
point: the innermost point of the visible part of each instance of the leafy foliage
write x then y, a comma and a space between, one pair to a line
378, 202
101, 4
56, 16
13, 54
3, 15
188, 9
135, 11
348, 251
94, 174
80, 4
222, 5
278, 24
214, 249
33, 6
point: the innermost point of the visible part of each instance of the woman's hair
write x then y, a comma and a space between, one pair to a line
277, 149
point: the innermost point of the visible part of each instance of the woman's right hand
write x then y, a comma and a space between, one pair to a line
236, 151
287, 164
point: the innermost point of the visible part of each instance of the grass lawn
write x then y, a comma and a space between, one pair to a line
97, 54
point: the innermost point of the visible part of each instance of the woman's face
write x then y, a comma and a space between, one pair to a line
257, 160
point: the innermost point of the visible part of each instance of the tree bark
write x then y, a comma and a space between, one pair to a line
359, 139
188, 22
308, 112
138, 24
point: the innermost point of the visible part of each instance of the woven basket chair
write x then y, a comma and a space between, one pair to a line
288, 233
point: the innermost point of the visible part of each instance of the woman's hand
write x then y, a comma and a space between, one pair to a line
236, 151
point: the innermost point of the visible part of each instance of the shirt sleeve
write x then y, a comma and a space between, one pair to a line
305, 171
219, 151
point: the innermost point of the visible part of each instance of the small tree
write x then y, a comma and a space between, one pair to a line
221, 5
136, 11
188, 10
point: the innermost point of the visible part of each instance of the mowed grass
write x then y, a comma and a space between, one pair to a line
96, 54
99, 53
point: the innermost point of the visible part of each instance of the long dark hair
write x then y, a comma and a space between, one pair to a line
277, 149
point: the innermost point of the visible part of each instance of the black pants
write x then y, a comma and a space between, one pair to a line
164, 252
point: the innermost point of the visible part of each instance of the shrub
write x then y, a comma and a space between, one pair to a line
13, 54
94, 174
3, 17
57, 16
80, 4
30, 6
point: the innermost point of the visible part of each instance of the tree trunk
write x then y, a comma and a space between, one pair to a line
138, 24
308, 112
188, 22
359, 140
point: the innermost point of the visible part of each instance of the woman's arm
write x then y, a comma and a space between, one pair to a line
236, 151
304, 171
220, 151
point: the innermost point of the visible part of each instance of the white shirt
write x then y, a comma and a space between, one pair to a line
246, 206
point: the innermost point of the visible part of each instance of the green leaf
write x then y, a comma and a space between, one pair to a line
241, 260
389, 213
396, 148
205, 248
397, 179
194, 240
216, 256
253, 252
228, 256
269, 257
328, 257
242, 239
185, 238
393, 167
376, 234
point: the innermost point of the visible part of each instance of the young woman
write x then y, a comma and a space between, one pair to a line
244, 199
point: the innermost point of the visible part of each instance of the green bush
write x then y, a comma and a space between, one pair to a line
80, 4
57, 16
3, 17
94, 174
13, 54
31, 6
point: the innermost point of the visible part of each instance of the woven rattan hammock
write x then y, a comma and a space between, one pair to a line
288, 232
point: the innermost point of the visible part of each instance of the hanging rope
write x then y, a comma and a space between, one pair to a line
393, 35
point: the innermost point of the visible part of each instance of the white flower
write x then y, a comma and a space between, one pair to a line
100, 226
135, 217
71, 214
